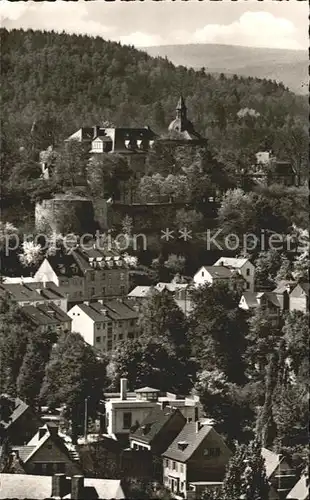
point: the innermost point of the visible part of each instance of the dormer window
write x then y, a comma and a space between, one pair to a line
182, 445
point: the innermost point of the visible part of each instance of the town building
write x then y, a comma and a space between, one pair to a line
242, 266
269, 170
218, 274
46, 453
266, 301
282, 292
299, 298
21, 486
280, 474
157, 431
197, 454
104, 324
120, 140
21, 422
45, 316
125, 410
181, 127
35, 293
87, 273
179, 291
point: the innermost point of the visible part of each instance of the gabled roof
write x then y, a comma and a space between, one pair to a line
218, 271
23, 486
37, 442
154, 423
44, 314
272, 297
250, 298
140, 292
304, 287
272, 461
187, 435
19, 409
171, 287
283, 285
110, 310
233, 262
301, 490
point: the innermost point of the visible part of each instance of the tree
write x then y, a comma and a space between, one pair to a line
71, 165
175, 263
214, 328
74, 374
296, 336
246, 475
237, 212
226, 403
266, 428
255, 484
32, 370
31, 255
161, 318
189, 219
261, 340
15, 331
150, 362
267, 266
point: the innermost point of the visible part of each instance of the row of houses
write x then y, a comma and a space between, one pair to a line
190, 455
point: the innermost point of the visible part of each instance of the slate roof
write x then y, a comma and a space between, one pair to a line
44, 314
218, 271
154, 423
234, 262
110, 310
20, 408
300, 491
26, 486
188, 435
28, 291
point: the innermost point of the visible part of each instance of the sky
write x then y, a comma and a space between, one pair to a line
254, 23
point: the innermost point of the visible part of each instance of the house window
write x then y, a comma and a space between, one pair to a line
174, 466
166, 463
122, 276
248, 286
202, 274
92, 276
181, 468
248, 272
121, 336
127, 420
212, 452
182, 485
60, 467
92, 291
110, 344
98, 339
103, 290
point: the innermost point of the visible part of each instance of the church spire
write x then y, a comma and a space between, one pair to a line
181, 111
181, 104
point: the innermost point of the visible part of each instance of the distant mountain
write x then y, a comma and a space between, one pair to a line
287, 66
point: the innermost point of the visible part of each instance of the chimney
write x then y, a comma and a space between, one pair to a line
164, 404
100, 301
123, 389
198, 426
42, 432
77, 487
59, 485
86, 302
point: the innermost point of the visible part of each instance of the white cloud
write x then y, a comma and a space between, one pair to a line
139, 39
57, 16
254, 29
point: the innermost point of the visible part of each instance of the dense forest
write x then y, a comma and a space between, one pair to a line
55, 83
